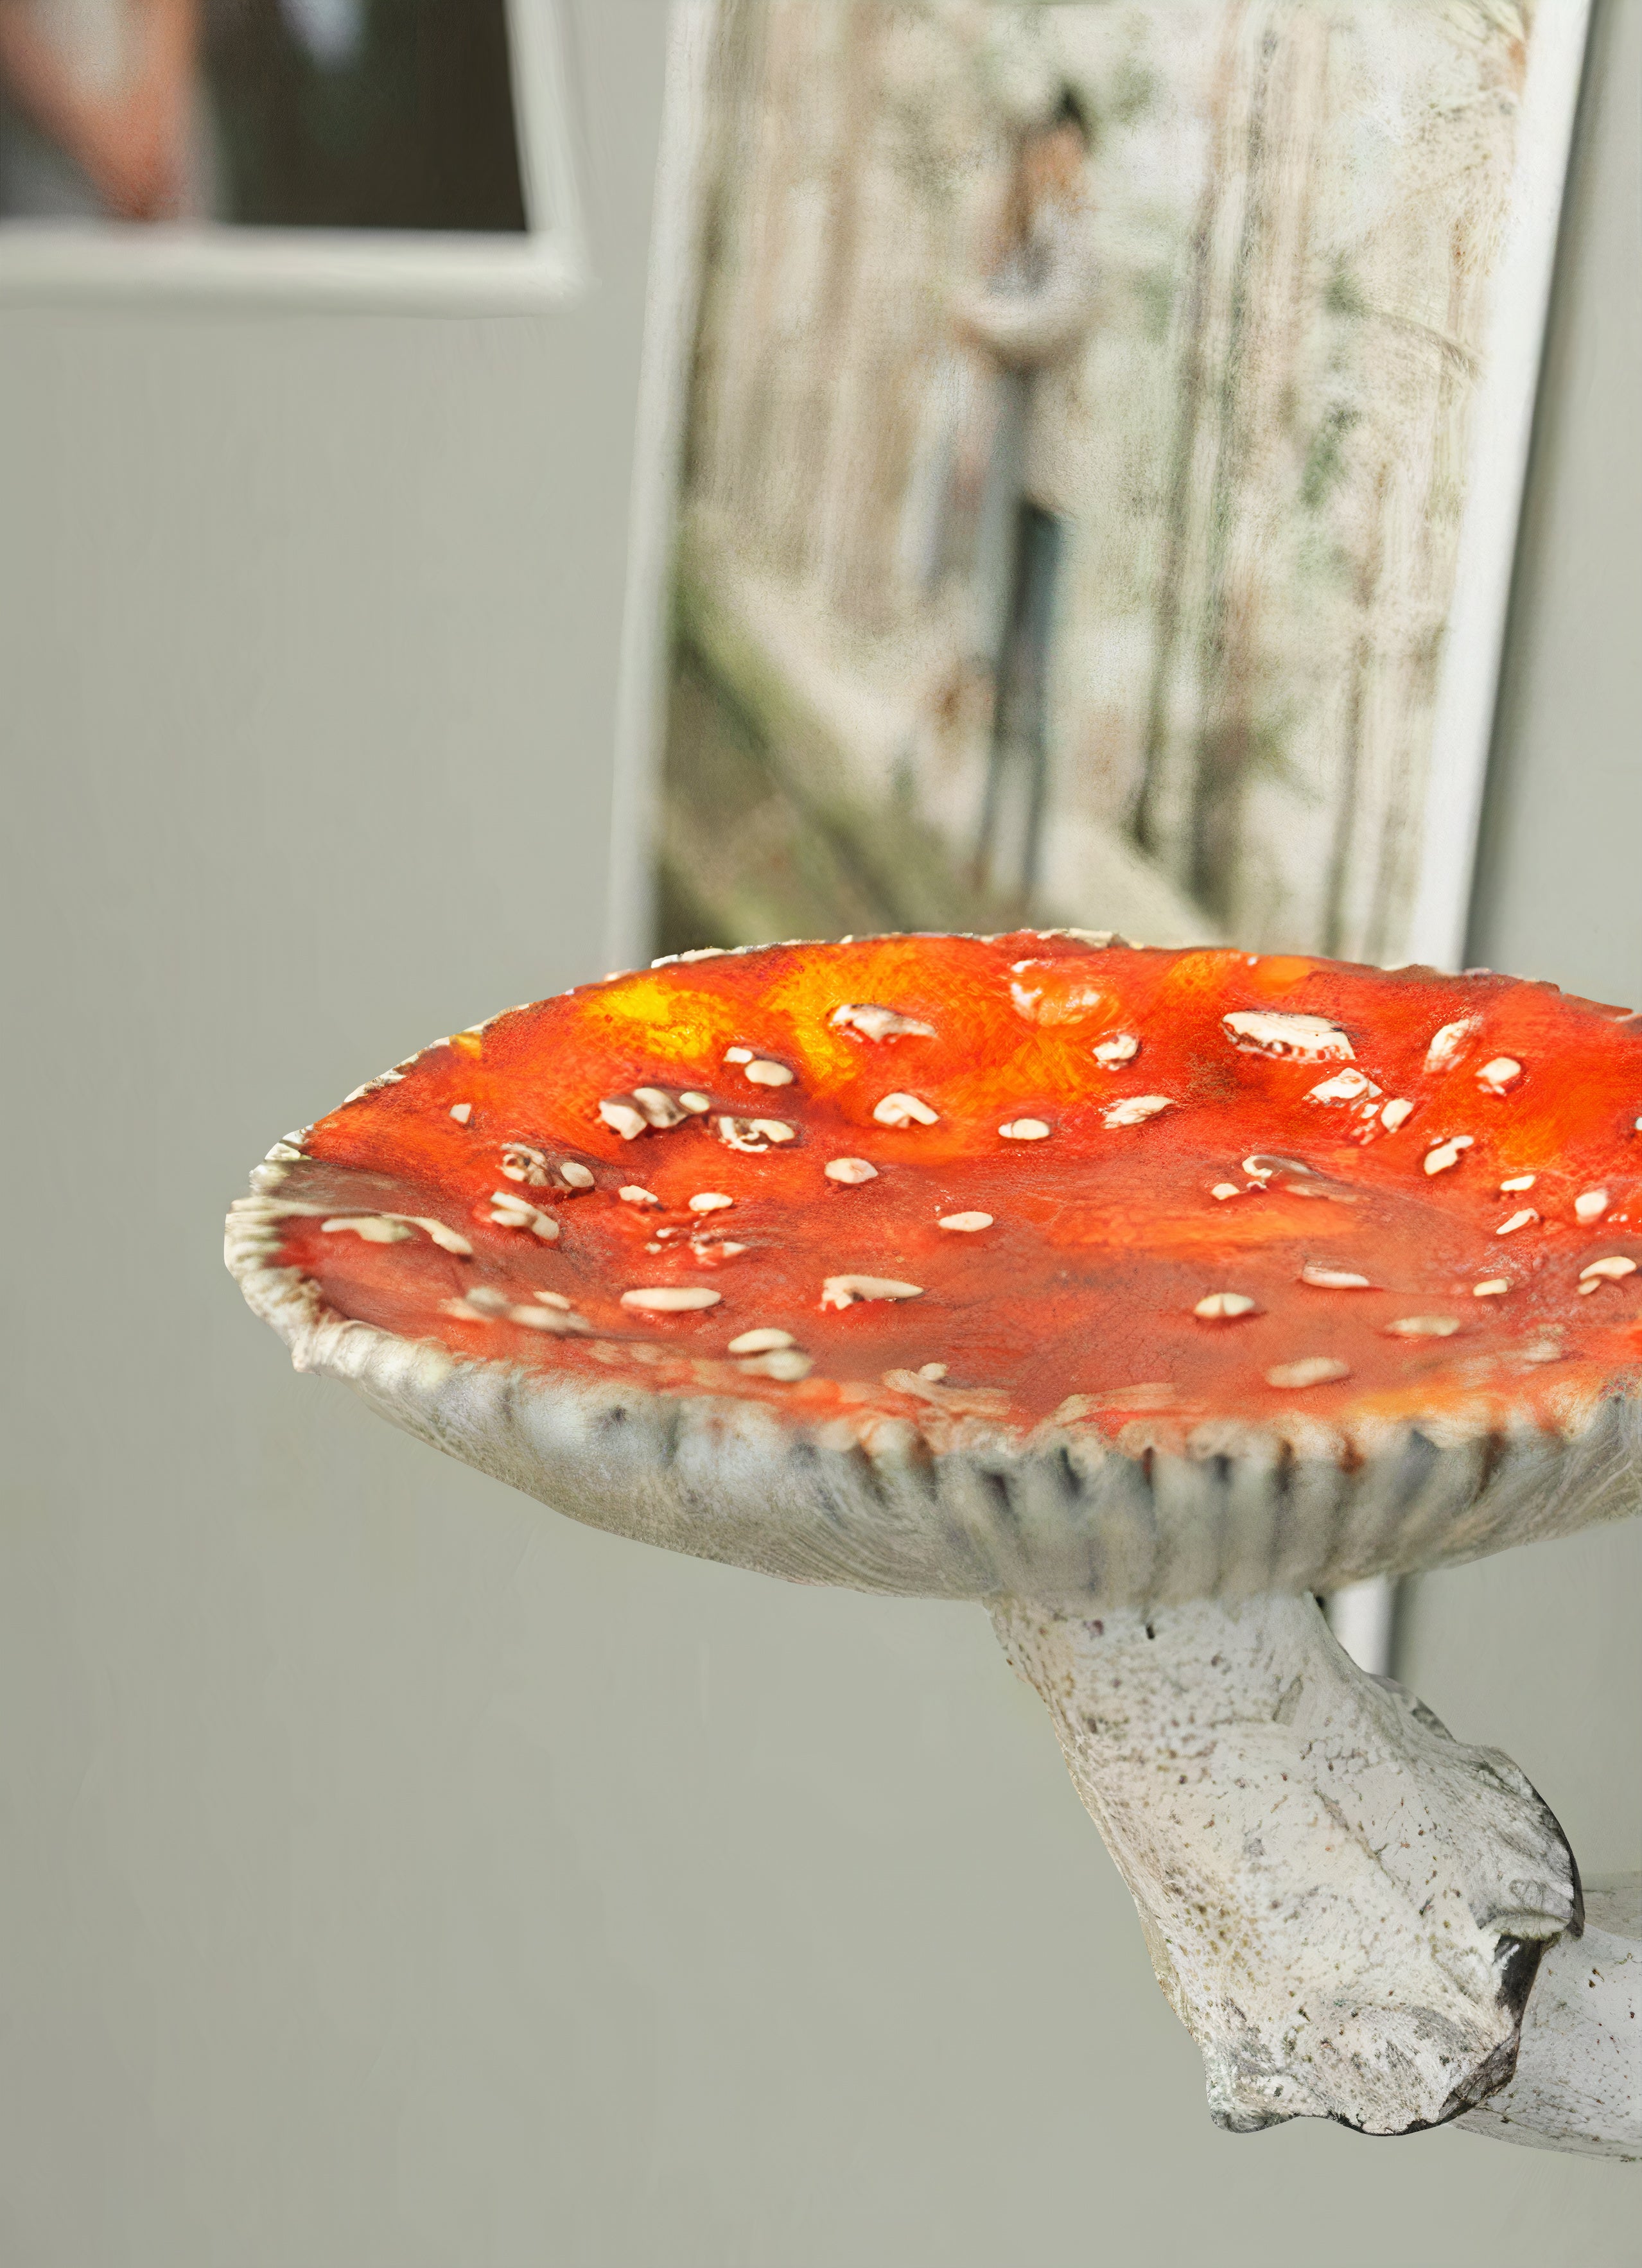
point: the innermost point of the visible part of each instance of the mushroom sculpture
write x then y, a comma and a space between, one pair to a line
1139, 1295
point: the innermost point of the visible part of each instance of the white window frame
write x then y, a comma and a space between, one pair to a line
1502, 428
413, 271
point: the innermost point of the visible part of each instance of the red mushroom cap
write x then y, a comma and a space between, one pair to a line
992, 1263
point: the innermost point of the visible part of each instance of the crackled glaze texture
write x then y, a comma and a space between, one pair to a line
1035, 1264
1345, 1906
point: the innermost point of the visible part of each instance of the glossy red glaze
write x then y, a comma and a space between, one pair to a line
1080, 1298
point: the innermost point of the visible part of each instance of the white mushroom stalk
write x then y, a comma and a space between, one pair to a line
1578, 2081
1345, 1907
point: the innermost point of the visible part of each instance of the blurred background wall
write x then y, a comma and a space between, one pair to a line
389, 1872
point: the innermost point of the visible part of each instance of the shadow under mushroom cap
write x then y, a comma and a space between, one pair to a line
1154, 1275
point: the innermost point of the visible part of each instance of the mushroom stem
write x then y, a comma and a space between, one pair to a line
1345, 1905
1577, 2083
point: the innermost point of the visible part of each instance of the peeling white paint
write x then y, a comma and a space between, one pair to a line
1293, 1038
369, 1227
1137, 1111
844, 1290
875, 1022
904, 1110
670, 1298
1448, 1045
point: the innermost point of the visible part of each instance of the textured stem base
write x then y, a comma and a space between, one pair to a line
1345, 1907
1577, 2083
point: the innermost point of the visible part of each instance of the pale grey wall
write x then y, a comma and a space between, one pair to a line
391, 1874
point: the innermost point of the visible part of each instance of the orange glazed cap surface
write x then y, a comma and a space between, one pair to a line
1031, 1204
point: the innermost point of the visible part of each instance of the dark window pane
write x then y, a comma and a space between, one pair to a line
406, 124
